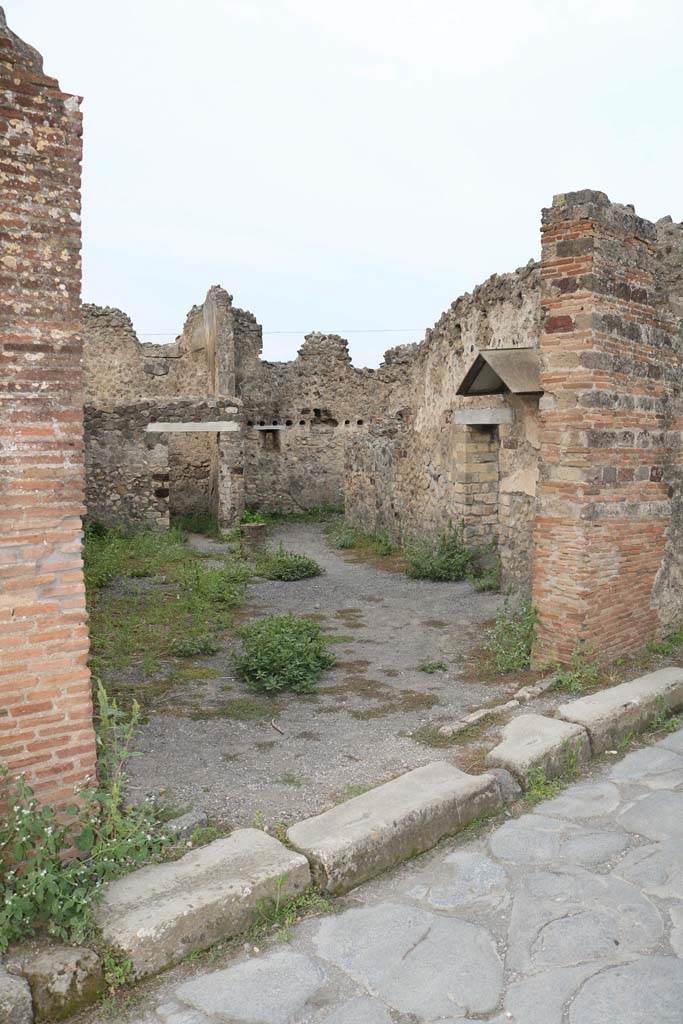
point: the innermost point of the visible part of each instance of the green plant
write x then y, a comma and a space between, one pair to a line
279, 914
487, 579
510, 641
41, 887
283, 652
205, 834
192, 646
252, 516
445, 560
664, 720
581, 672
286, 565
343, 536
117, 970
669, 645
539, 787
430, 667
199, 522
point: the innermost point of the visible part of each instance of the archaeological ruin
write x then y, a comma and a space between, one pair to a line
543, 411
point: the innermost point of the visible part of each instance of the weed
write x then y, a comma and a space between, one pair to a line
205, 834
199, 522
291, 779
429, 736
581, 672
286, 565
278, 915
317, 514
192, 646
445, 560
344, 536
242, 709
669, 645
487, 579
510, 641
117, 971
539, 787
259, 820
252, 516
39, 887
283, 652
430, 667
664, 720
350, 791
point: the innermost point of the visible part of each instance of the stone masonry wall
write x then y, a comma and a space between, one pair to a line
428, 471
607, 556
129, 469
320, 403
46, 730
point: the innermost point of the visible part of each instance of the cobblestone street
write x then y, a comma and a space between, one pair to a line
572, 912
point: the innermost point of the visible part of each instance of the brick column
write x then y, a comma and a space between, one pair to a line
610, 378
476, 460
46, 729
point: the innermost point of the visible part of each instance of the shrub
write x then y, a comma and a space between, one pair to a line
39, 887
251, 516
343, 536
283, 652
510, 641
447, 560
286, 565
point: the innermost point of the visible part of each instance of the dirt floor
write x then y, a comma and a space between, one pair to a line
242, 758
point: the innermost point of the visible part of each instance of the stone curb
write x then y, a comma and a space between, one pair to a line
159, 920
364, 836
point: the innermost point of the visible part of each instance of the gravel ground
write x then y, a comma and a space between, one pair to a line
356, 731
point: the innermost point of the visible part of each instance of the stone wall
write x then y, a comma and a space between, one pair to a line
607, 560
129, 464
426, 472
319, 403
46, 730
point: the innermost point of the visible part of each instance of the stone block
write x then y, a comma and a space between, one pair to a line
183, 826
533, 741
15, 999
370, 833
610, 715
156, 915
63, 979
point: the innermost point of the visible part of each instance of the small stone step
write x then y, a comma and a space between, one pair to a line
534, 741
610, 715
158, 914
370, 833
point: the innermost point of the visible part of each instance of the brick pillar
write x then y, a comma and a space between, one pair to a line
46, 729
610, 374
476, 460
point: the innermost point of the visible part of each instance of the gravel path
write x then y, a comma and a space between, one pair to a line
357, 731
570, 914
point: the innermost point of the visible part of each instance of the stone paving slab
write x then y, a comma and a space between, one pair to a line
370, 833
611, 715
569, 914
156, 915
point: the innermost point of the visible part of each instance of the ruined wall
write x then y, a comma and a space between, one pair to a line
607, 557
129, 466
319, 402
431, 471
121, 371
46, 730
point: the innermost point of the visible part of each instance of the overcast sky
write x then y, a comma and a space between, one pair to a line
350, 166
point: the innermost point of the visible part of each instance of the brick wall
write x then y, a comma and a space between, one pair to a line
46, 728
610, 440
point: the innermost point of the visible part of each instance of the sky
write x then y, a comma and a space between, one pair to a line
350, 166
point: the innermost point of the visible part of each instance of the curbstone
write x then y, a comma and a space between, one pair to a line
63, 979
15, 999
534, 741
366, 835
158, 914
610, 715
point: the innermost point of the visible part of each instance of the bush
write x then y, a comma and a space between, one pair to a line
286, 565
447, 560
251, 516
39, 887
282, 652
510, 641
